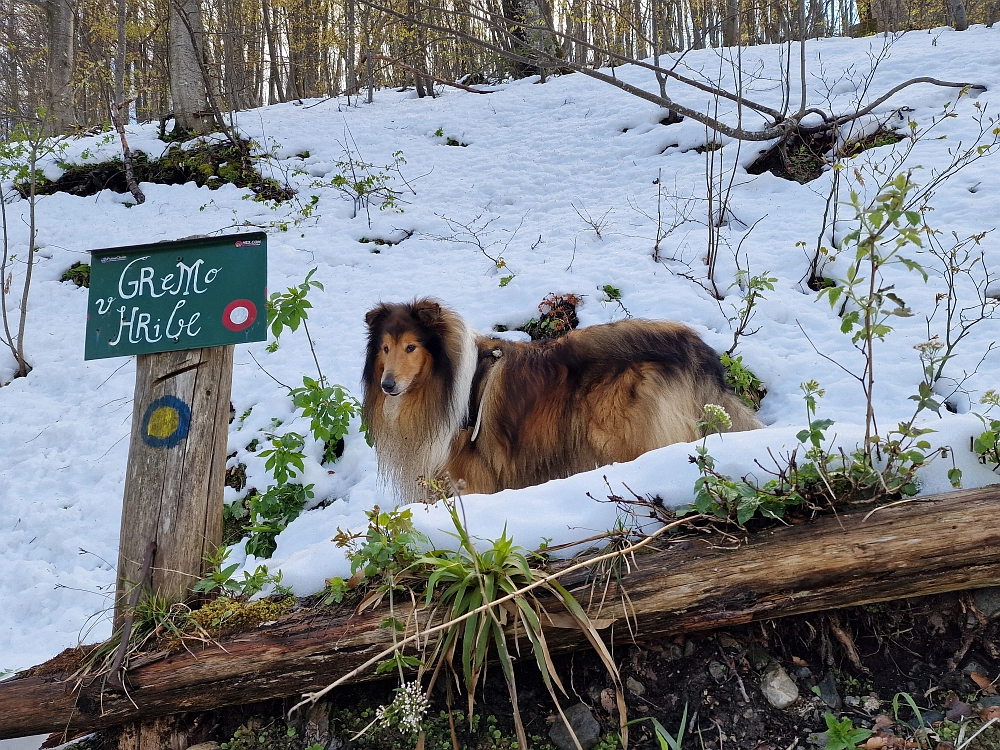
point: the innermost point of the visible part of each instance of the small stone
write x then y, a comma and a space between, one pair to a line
583, 724
817, 738
634, 686
759, 658
779, 689
727, 641
987, 601
717, 670
929, 717
853, 701
958, 710
803, 673
974, 667
993, 700
828, 691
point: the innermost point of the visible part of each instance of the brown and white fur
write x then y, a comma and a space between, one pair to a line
440, 399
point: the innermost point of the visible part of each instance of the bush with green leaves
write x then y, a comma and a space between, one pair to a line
987, 444
270, 512
220, 580
883, 466
328, 407
384, 555
365, 183
743, 381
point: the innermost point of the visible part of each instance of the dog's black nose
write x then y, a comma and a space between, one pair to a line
389, 385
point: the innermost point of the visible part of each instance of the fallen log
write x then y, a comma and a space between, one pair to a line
925, 546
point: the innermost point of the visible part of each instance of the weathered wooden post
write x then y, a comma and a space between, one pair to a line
180, 307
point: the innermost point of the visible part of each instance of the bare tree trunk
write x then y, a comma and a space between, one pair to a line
60, 15
275, 91
731, 24
351, 73
958, 15
187, 84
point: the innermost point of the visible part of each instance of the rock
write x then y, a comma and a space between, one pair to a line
993, 700
958, 710
779, 689
717, 670
583, 724
828, 692
987, 601
727, 641
634, 686
803, 673
205, 746
929, 717
817, 738
759, 658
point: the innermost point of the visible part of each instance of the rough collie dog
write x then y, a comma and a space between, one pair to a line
440, 399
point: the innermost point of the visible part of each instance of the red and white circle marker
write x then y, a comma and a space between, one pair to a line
239, 315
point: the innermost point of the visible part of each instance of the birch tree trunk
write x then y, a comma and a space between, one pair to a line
59, 15
187, 84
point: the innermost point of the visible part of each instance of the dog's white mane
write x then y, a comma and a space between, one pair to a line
426, 455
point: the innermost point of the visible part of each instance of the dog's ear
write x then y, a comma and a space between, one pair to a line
376, 315
427, 311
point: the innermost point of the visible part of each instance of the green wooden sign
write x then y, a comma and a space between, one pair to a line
169, 296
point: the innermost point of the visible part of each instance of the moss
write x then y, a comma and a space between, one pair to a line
482, 733
224, 616
260, 734
210, 165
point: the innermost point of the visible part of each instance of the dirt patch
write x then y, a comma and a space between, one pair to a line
803, 158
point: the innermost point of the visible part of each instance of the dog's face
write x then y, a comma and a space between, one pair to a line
398, 338
403, 361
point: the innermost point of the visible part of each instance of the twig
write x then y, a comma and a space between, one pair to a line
133, 599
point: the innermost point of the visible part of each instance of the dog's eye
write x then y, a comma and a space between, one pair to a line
385, 349
411, 348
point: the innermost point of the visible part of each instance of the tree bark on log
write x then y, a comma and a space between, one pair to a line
925, 546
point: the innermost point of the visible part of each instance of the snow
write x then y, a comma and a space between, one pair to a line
537, 157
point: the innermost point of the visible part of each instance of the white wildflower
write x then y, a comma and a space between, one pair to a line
407, 710
717, 417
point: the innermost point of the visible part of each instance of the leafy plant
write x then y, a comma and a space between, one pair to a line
272, 511
987, 444
747, 386
364, 183
284, 459
841, 734
666, 740
221, 582
462, 580
20, 154
330, 409
886, 228
390, 546
289, 309
78, 273
752, 290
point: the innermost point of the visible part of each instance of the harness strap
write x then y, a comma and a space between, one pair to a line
496, 354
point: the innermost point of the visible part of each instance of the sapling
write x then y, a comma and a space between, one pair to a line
19, 159
329, 408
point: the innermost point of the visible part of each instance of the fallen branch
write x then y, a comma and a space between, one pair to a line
927, 546
399, 64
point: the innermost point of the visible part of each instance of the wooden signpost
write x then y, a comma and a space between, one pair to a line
180, 307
